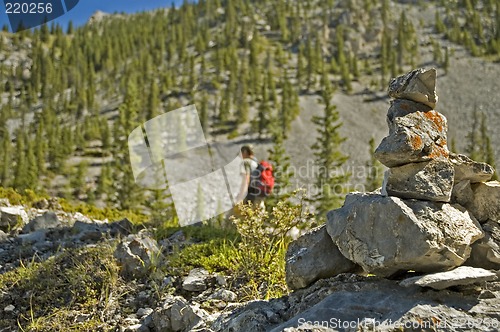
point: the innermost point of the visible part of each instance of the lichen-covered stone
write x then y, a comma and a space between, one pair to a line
414, 137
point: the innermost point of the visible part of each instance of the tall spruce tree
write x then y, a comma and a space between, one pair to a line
331, 180
5, 154
127, 193
281, 170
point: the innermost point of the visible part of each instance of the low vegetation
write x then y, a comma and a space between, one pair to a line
74, 285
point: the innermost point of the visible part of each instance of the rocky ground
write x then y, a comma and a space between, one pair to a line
200, 301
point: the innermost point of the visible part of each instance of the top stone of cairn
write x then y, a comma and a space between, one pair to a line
419, 85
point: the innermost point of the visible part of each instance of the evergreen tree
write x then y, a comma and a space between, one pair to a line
262, 121
374, 176
300, 66
5, 154
204, 113
21, 167
200, 204
78, 181
31, 164
281, 170
127, 192
104, 182
479, 146
161, 207
153, 104
331, 180
446, 64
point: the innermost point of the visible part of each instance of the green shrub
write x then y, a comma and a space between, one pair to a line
260, 258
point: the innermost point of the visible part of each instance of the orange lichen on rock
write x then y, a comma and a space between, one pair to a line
439, 151
416, 142
436, 118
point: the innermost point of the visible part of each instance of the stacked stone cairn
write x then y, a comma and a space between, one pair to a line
435, 210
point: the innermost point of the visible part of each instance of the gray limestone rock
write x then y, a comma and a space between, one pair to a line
463, 275
431, 181
485, 204
388, 234
136, 254
468, 169
196, 281
313, 256
418, 85
486, 251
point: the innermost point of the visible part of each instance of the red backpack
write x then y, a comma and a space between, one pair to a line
262, 180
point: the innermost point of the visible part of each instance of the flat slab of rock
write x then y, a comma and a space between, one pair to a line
418, 85
314, 256
463, 275
431, 181
388, 234
414, 137
468, 169
485, 204
486, 252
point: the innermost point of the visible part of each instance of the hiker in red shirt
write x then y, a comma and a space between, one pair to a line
257, 180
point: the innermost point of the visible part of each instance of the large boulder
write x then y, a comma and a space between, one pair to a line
136, 254
485, 203
432, 181
12, 217
314, 256
388, 234
486, 251
414, 137
461, 276
468, 169
418, 85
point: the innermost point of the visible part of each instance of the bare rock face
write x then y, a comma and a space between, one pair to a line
314, 256
414, 137
387, 234
486, 251
485, 204
468, 169
463, 275
431, 181
418, 85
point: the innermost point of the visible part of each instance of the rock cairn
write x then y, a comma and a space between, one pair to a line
435, 211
